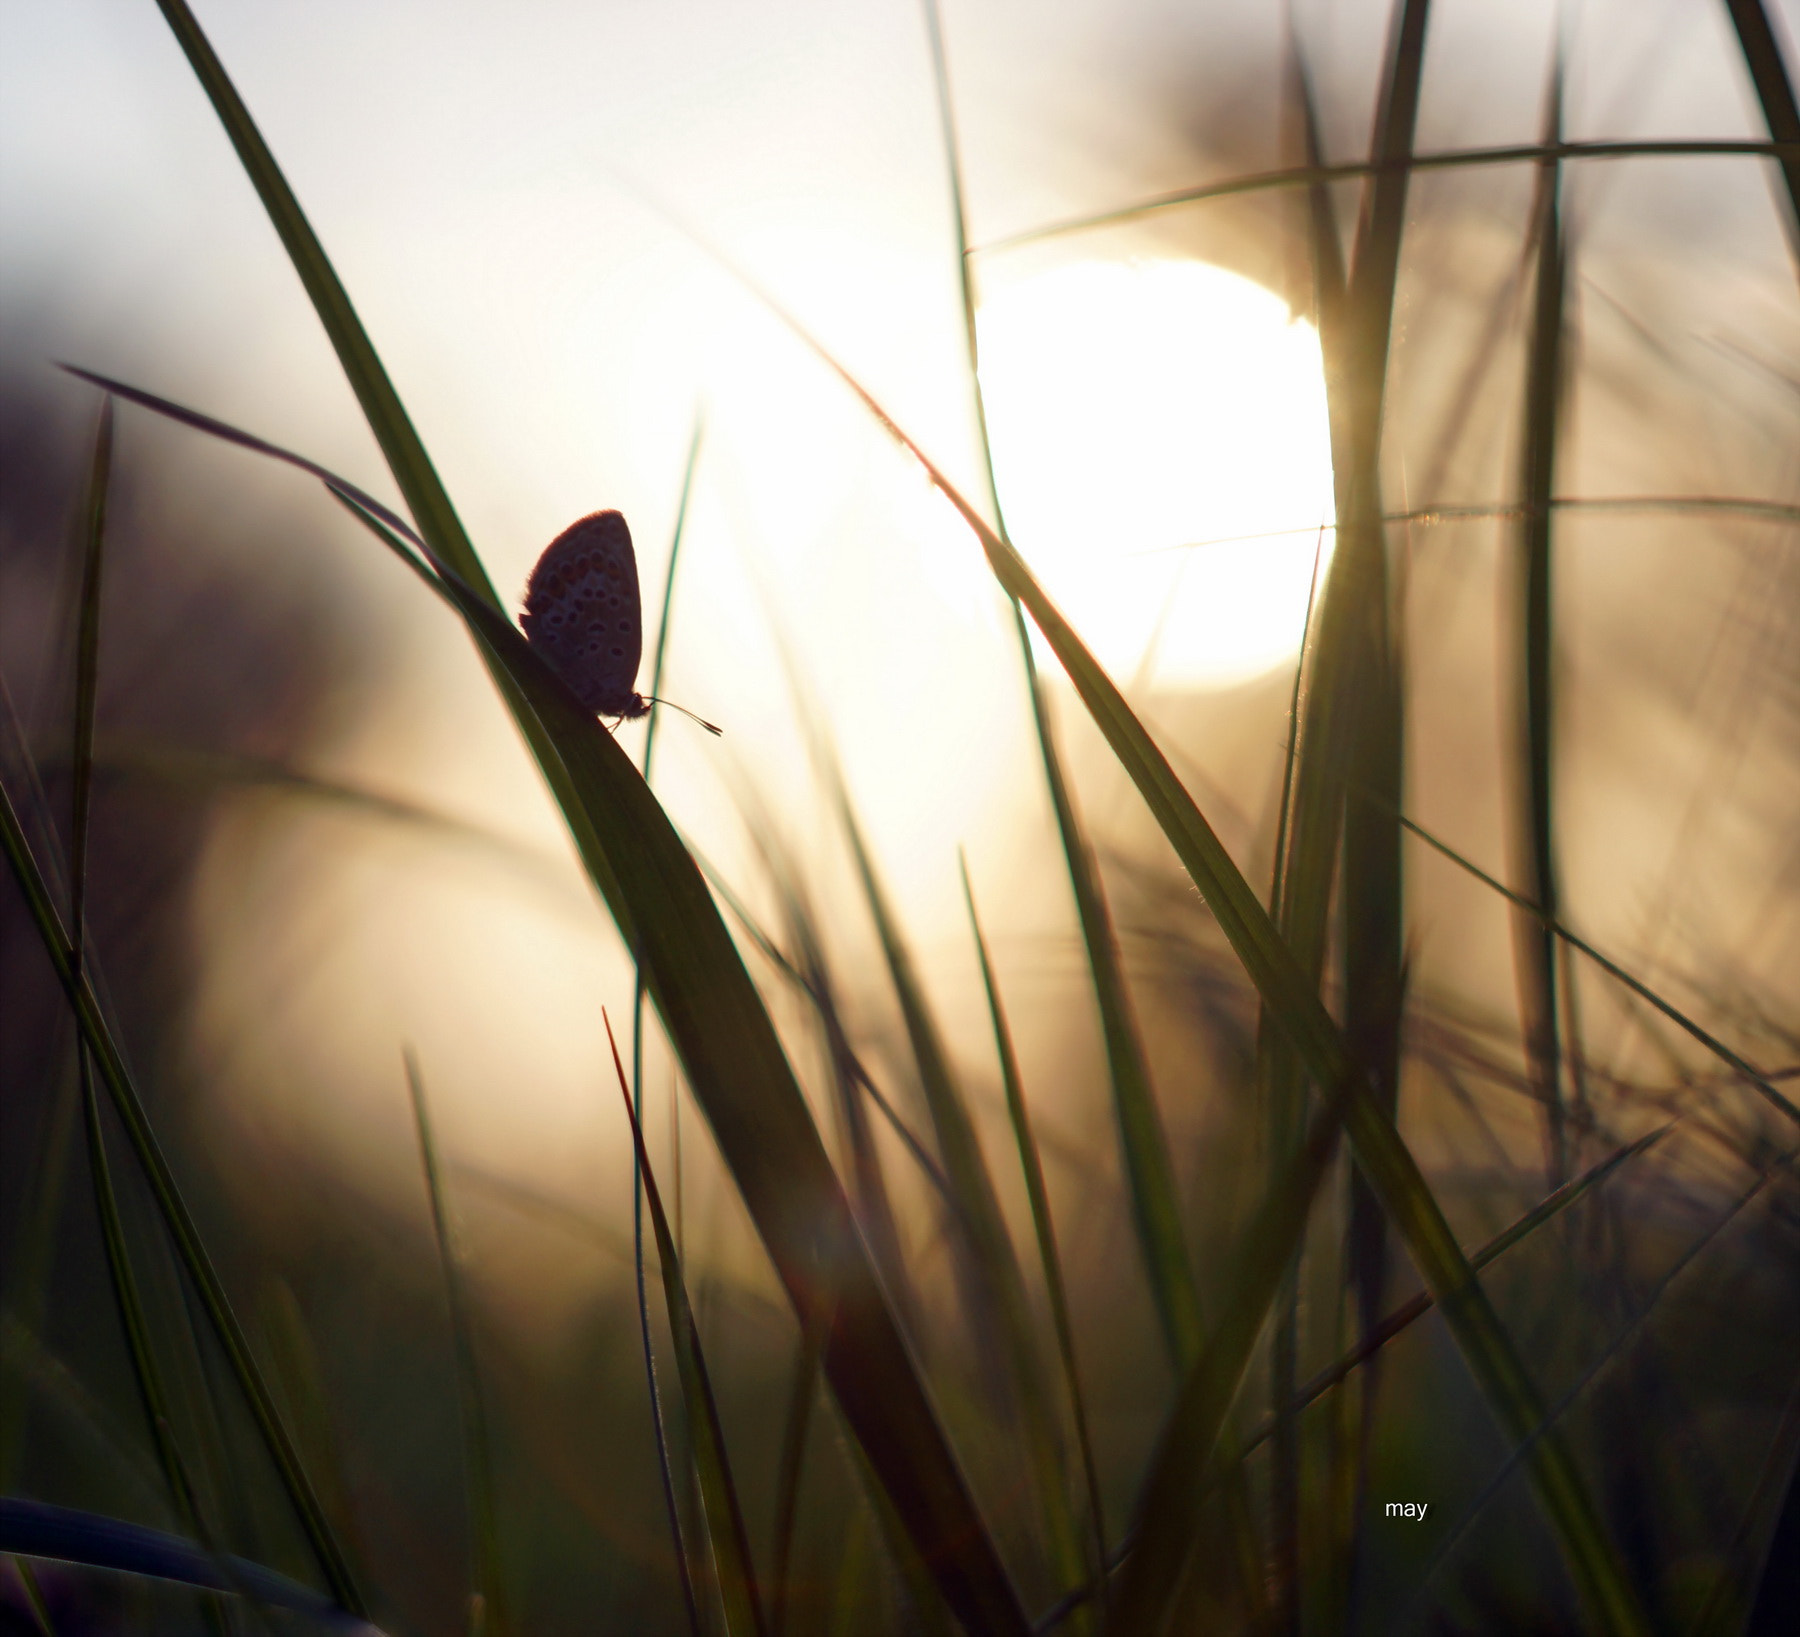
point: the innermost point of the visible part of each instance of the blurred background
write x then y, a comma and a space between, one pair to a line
318, 839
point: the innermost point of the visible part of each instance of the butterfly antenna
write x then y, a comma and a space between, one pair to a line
710, 727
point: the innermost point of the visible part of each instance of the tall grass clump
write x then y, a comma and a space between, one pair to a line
1380, 1385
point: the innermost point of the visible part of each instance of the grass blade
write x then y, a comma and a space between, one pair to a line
489, 1601
1155, 1208
1307, 176
658, 1426
710, 1009
994, 1290
734, 1573
133, 1321
1534, 944
1045, 1228
791, 1469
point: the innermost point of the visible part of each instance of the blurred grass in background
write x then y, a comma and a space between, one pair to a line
1368, 1183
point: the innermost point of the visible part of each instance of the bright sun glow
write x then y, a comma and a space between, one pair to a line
1161, 448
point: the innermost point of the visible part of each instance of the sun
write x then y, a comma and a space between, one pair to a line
1162, 452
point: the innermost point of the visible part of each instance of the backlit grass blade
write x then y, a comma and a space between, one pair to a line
1306, 848
1168, 1513
128, 1300
809, 969
1534, 944
734, 1572
710, 1010
132, 1320
658, 1425
1284, 987
477, 1442
1372, 909
994, 1292
1306, 176
1775, 93
1155, 1208
790, 1469
1045, 1227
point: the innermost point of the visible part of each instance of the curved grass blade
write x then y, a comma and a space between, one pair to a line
59, 1534
665, 1469
994, 1289
1306, 850
1372, 906
1155, 1207
1282, 983
710, 1009
791, 1469
1534, 944
1311, 175
810, 971
1045, 1228
734, 1572
477, 1459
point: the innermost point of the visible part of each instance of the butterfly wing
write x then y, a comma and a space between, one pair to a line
583, 615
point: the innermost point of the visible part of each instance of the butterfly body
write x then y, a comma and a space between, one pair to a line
583, 614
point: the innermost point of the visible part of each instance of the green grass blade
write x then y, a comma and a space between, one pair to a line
810, 971
1295, 1002
1306, 176
1156, 1211
734, 1571
659, 1428
1775, 93
1306, 850
710, 1009
1534, 944
1168, 1512
133, 1321
791, 1468
87, 667
1372, 908
1045, 1227
994, 1290
477, 1441
413, 472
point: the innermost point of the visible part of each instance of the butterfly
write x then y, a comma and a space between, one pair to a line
583, 615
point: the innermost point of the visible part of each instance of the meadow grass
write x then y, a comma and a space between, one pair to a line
1255, 1506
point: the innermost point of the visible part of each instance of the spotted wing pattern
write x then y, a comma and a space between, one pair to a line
583, 615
